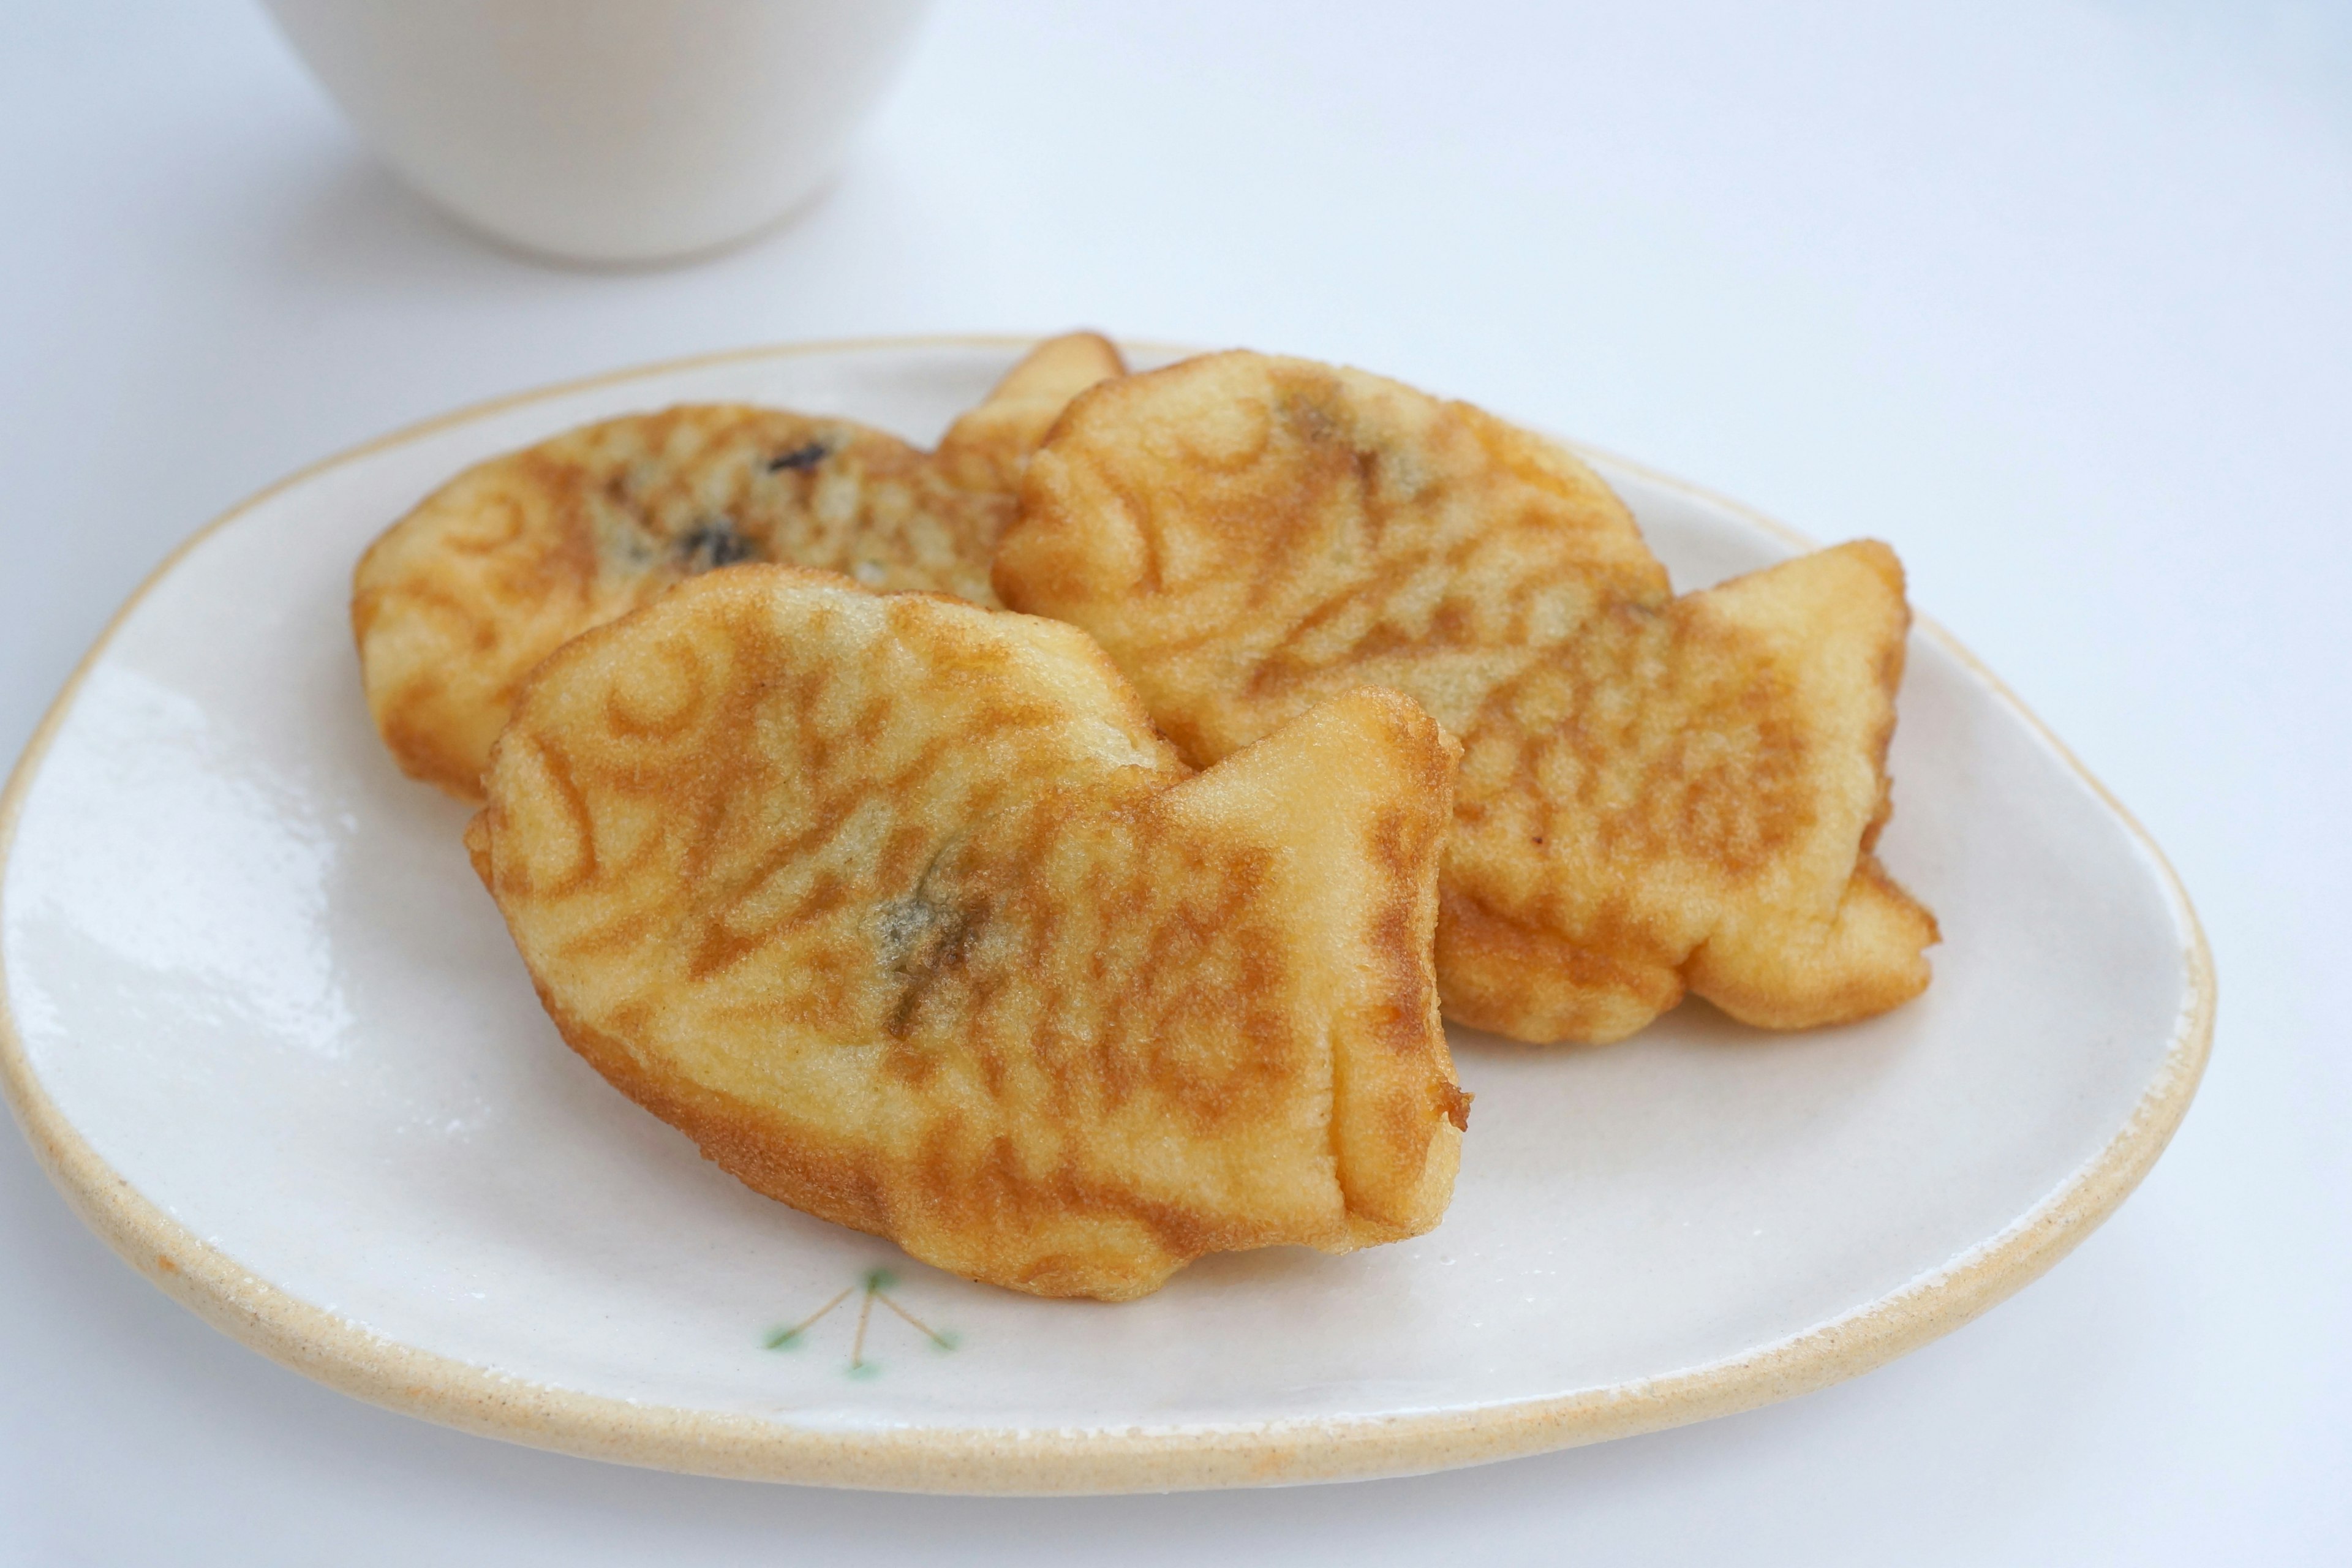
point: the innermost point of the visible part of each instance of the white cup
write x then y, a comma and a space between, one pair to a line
606, 130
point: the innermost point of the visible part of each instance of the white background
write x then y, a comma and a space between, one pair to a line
2057, 299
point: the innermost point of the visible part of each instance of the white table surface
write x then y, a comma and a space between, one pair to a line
2057, 299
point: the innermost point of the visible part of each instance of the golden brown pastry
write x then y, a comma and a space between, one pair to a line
1655, 793
456, 603
989, 447
901, 908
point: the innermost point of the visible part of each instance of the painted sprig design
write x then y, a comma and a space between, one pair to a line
874, 1287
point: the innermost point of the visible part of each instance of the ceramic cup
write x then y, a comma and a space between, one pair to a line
606, 130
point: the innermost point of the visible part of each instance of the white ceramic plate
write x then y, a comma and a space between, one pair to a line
268, 1035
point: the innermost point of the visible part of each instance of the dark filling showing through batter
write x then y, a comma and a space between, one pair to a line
807, 457
712, 543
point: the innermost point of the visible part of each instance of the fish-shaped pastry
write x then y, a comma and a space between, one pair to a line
901, 908
457, 601
1656, 792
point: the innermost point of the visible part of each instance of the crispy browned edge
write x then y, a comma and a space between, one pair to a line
344, 1355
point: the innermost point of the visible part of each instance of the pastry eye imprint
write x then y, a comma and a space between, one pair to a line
459, 600
1655, 794
902, 909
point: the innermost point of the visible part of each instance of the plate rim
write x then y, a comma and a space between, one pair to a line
397, 1376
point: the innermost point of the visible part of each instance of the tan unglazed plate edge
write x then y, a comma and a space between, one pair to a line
344, 1356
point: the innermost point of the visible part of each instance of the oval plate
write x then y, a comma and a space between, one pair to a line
265, 1031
